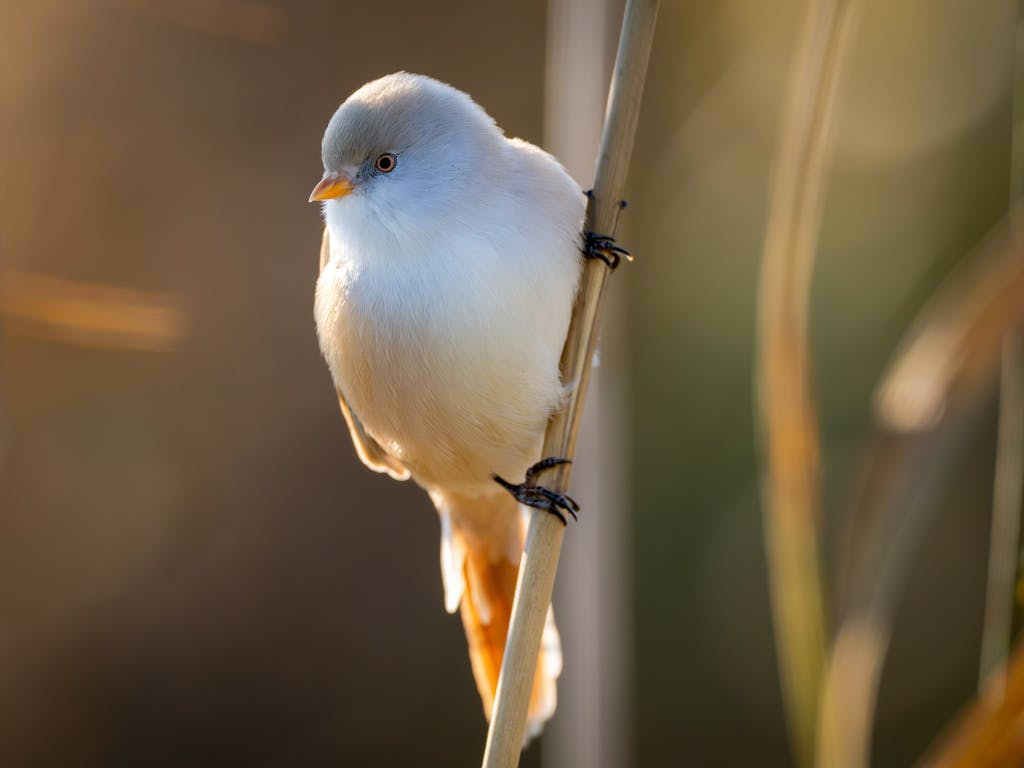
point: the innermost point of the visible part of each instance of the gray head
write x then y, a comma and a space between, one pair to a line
406, 145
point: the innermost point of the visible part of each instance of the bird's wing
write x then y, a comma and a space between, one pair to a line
369, 450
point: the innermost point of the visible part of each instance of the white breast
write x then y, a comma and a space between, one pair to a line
447, 347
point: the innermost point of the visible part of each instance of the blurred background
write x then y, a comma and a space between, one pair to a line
196, 570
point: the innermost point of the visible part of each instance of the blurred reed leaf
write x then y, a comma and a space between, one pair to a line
941, 377
954, 345
1005, 542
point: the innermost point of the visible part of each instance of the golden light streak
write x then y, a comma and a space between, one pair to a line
91, 314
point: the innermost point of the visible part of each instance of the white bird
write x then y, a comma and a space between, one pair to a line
449, 266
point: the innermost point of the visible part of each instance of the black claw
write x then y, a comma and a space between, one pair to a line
605, 248
558, 501
539, 497
543, 464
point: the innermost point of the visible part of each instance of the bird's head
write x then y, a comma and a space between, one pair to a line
404, 150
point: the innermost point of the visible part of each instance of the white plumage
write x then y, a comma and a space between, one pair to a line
442, 310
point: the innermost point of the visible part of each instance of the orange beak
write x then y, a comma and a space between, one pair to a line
332, 186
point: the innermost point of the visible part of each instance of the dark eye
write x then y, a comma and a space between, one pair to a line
386, 162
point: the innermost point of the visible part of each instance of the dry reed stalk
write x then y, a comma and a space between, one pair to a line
544, 539
786, 412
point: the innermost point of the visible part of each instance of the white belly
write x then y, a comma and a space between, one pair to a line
453, 373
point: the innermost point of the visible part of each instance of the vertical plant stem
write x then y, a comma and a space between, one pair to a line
544, 538
1004, 548
593, 727
786, 412
1006, 509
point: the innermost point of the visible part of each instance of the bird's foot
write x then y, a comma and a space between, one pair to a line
605, 248
539, 497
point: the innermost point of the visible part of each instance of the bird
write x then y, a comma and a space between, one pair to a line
449, 265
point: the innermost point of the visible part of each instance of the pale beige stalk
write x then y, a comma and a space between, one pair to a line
544, 540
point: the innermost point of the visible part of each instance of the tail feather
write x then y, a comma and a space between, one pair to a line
481, 545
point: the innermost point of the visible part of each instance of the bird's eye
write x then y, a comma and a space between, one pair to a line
385, 163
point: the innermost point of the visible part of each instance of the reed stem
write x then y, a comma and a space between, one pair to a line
544, 538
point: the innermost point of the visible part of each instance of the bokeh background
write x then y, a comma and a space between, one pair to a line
194, 567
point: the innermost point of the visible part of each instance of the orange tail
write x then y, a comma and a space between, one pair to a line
482, 541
